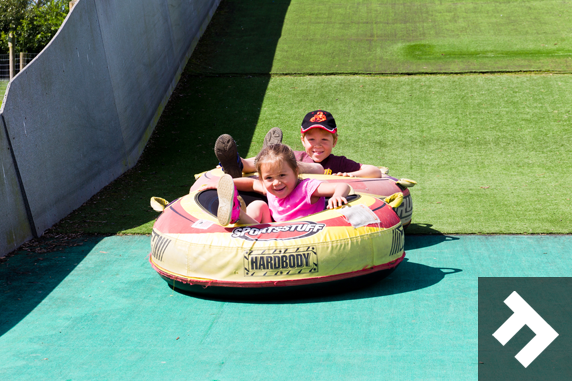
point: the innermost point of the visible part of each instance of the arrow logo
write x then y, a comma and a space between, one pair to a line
523, 315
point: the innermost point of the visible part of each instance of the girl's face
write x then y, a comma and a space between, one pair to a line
278, 178
318, 144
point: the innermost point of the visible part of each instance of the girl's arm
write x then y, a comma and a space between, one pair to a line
247, 184
336, 192
366, 170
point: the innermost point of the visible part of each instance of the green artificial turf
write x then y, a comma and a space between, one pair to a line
491, 153
367, 36
3, 86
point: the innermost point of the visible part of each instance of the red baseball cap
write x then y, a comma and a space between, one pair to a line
319, 119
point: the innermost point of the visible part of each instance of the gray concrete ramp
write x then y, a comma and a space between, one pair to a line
147, 70
17, 229
63, 123
81, 113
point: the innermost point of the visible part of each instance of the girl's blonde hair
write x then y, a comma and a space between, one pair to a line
274, 153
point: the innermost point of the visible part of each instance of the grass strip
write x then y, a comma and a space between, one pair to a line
491, 153
3, 86
367, 36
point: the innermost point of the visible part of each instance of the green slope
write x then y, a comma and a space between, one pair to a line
366, 36
491, 153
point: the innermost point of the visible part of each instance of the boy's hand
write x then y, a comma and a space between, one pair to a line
336, 201
343, 174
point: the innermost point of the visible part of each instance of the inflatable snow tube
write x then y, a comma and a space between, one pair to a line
192, 252
377, 187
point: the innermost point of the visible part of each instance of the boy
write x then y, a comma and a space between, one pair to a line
319, 137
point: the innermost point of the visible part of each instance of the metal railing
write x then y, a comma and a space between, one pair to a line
20, 61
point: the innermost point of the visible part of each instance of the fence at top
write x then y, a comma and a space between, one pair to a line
80, 114
20, 61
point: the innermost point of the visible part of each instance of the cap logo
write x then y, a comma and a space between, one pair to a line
319, 117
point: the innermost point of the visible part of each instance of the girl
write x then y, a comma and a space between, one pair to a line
288, 196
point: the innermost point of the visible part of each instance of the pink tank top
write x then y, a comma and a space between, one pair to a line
298, 203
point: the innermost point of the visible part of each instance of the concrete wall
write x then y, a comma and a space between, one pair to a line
14, 225
80, 114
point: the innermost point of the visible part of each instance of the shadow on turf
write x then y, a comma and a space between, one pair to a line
241, 38
209, 100
418, 236
421, 229
27, 278
407, 277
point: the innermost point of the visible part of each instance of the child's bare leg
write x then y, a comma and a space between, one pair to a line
227, 153
230, 206
273, 136
258, 211
245, 219
248, 165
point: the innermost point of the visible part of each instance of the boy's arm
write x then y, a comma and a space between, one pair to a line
366, 170
315, 168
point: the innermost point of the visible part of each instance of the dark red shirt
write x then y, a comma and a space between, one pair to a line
333, 162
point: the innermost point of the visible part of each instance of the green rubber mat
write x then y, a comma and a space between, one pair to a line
99, 311
366, 36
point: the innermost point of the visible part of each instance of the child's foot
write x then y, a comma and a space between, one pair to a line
274, 136
228, 205
227, 154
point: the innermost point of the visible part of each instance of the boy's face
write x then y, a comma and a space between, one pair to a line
318, 144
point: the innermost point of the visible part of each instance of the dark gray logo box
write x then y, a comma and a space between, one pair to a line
551, 298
